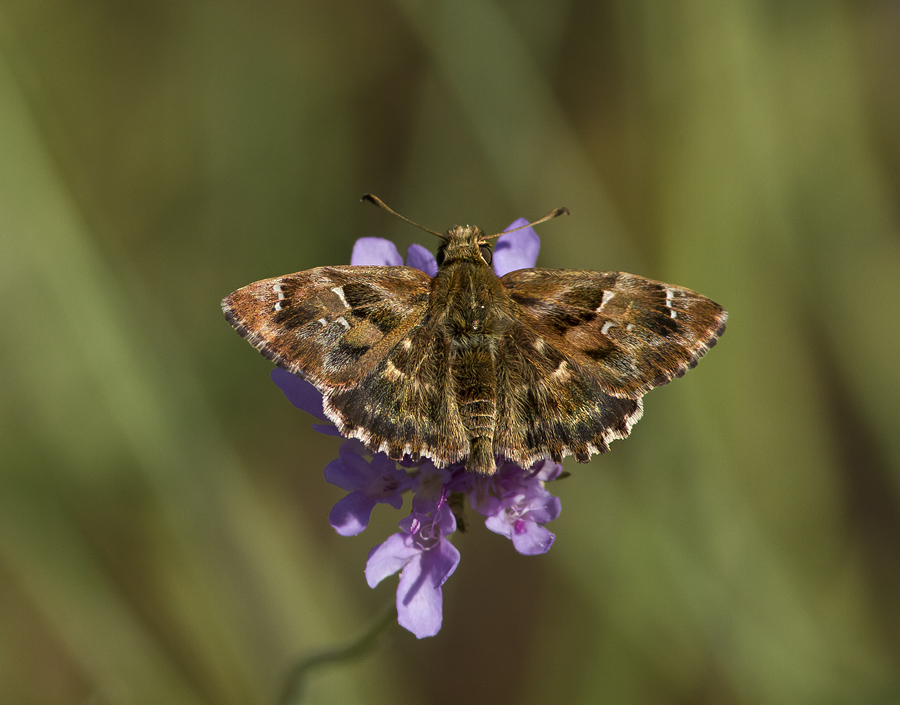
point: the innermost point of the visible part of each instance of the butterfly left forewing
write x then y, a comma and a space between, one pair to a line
330, 325
631, 333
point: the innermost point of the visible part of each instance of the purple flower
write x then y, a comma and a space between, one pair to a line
305, 397
518, 505
369, 483
518, 250
514, 501
299, 392
375, 250
421, 258
423, 555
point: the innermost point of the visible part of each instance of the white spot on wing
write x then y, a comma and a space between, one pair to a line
339, 290
278, 304
343, 322
561, 372
322, 322
607, 295
670, 294
278, 290
606, 327
390, 369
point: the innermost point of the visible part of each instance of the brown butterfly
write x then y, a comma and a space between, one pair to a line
468, 366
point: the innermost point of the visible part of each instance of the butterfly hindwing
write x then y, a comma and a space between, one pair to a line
406, 404
550, 405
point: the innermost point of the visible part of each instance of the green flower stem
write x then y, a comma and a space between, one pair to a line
367, 642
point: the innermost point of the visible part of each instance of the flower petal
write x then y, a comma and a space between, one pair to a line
547, 470
351, 515
531, 539
388, 483
499, 524
518, 250
299, 392
375, 250
389, 557
420, 258
349, 472
419, 596
327, 429
544, 510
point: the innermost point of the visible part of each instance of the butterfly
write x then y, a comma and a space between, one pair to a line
470, 367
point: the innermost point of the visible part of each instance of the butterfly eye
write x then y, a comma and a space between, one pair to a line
486, 254
439, 256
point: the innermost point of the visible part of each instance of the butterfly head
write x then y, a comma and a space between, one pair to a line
464, 244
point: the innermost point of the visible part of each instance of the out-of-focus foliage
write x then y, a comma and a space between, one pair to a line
163, 516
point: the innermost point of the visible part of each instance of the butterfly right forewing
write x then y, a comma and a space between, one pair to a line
631, 333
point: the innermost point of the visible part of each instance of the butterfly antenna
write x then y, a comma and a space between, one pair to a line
381, 204
552, 214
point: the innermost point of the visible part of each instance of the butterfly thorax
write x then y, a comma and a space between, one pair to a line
467, 298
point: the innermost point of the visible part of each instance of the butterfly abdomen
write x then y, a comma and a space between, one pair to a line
474, 378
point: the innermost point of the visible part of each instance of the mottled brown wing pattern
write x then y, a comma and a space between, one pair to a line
628, 332
550, 405
330, 325
360, 335
406, 405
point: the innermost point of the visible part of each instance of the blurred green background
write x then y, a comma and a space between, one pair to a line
163, 516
